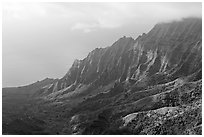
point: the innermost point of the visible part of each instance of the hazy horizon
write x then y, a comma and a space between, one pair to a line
42, 40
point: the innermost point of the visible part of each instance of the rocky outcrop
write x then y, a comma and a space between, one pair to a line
177, 114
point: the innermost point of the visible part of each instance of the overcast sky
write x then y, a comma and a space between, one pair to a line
42, 39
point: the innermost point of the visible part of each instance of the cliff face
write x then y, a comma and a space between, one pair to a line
168, 51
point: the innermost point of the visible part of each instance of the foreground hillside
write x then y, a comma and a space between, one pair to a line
148, 85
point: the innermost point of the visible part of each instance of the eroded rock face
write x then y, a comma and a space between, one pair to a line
172, 49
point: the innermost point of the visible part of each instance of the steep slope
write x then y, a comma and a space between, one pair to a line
172, 49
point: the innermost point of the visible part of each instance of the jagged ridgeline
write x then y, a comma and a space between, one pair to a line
148, 85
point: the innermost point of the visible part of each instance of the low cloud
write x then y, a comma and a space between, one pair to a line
100, 24
89, 17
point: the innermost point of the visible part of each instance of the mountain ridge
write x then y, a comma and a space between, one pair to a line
83, 71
